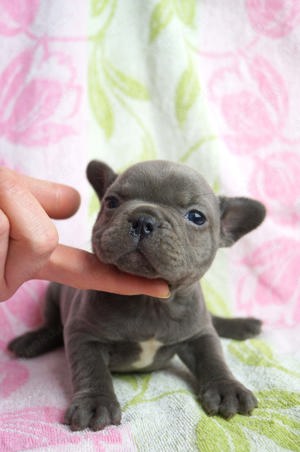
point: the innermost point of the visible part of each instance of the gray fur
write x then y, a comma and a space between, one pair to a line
145, 231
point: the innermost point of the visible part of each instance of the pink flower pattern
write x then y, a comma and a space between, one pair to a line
273, 18
25, 305
276, 181
17, 15
253, 101
271, 278
13, 374
36, 108
253, 95
46, 423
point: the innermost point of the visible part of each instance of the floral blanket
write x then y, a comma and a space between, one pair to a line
212, 84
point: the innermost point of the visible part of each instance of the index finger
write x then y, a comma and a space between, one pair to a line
83, 270
58, 200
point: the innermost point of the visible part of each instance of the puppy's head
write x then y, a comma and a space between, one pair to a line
160, 219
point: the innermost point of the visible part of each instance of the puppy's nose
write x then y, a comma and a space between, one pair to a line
142, 226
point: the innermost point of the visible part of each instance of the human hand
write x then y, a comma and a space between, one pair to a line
29, 247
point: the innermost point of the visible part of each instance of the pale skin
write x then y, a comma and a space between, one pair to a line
29, 243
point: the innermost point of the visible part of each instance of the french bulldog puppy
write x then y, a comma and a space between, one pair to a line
158, 219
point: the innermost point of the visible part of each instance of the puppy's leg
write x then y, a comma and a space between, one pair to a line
219, 392
46, 338
238, 328
94, 403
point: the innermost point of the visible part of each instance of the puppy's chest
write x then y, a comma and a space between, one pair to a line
142, 335
148, 351
152, 344
150, 354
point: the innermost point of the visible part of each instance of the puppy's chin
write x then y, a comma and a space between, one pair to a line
136, 263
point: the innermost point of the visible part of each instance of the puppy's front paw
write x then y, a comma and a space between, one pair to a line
93, 411
227, 397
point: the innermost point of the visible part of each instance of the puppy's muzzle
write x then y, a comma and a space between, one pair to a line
142, 226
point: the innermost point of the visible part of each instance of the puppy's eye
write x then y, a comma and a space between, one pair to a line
196, 217
112, 202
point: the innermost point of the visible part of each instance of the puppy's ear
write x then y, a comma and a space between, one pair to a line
238, 217
100, 176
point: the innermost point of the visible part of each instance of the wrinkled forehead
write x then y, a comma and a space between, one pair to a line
164, 182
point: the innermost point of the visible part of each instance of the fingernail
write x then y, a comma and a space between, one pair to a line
165, 294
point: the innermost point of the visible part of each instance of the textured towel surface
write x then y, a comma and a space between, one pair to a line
215, 85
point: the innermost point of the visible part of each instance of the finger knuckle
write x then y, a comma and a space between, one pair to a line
4, 224
8, 178
45, 242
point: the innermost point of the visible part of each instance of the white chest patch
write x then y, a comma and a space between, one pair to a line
149, 349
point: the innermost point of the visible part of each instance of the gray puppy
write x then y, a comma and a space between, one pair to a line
160, 220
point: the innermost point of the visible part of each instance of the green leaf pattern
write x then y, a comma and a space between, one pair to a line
98, 6
187, 91
186, 11
257, 353
125, 84
167, 10
160, 18
119, 92
235, 435
100, 103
